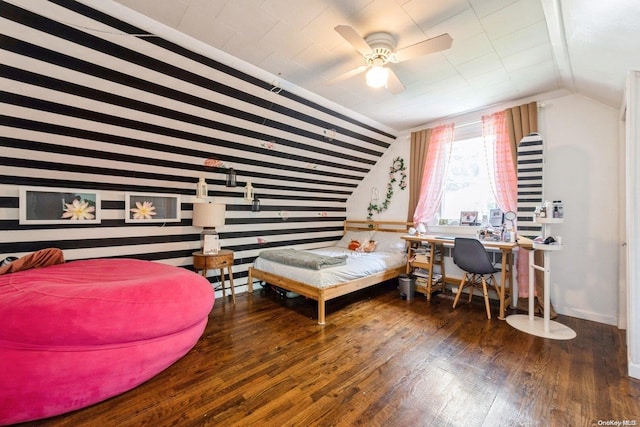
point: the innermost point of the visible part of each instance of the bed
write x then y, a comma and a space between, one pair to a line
359, 270
76, 333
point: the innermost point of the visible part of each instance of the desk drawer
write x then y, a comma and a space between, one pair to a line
210, 262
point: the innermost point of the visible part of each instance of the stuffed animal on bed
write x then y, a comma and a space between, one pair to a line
366, 246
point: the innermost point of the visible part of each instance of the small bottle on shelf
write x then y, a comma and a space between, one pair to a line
543, 212
556, 211
560, 209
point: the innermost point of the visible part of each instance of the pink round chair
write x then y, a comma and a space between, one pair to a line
77, 333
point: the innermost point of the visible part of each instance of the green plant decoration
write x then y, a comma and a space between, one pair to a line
397, 167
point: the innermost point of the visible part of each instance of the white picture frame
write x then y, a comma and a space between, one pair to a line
468, 217
496, 217
211, 244
151, 207
49, 205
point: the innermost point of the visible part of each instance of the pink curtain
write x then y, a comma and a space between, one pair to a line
506, 183
504, 173
435, 171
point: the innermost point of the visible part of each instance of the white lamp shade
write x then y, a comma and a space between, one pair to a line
208, 215
377, 76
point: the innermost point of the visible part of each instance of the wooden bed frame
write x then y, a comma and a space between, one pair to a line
333, 291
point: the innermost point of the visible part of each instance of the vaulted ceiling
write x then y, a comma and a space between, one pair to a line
503, 50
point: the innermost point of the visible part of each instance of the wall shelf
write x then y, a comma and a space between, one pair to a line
539, 220
543, 247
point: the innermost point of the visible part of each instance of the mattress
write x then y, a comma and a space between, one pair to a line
359, 264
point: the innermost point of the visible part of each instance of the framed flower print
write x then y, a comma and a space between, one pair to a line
151, 207
46, 205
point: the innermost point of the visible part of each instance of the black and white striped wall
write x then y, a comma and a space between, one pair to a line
530, 195
91, 100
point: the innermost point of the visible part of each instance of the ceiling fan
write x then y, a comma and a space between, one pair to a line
379, 49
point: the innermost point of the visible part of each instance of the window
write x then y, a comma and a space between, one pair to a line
467, 185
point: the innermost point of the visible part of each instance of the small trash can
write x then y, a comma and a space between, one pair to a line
406, 286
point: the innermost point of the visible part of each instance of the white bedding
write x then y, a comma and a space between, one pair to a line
359, 264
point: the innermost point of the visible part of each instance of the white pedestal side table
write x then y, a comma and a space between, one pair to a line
544, 327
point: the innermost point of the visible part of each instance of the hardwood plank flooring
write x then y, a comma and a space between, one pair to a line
379, 360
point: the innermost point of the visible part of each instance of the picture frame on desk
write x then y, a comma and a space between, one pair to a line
468, 217
496, 217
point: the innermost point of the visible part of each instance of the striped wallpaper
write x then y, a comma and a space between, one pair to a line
530, 195
92, 101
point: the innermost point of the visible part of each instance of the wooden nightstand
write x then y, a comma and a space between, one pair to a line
224, 258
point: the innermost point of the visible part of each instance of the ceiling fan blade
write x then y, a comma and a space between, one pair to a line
394, 85
435, 44
354, 39
347, 75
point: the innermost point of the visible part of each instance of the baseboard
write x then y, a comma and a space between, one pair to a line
586, 315
634, 370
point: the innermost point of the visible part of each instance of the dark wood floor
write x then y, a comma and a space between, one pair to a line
379, 360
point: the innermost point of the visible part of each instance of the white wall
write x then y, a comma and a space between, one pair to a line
581, 138
378, 177
581, 156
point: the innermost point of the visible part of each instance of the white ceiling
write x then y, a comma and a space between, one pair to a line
503, 50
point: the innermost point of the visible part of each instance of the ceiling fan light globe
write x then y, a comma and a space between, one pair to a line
377, 76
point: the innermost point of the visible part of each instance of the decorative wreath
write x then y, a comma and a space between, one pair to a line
397, 167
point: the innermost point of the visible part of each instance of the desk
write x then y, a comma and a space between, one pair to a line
506, 273
224, 258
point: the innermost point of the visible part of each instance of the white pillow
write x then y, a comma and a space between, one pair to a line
388, 241
350, 235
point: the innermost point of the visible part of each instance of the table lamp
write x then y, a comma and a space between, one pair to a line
209, 216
